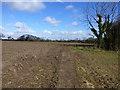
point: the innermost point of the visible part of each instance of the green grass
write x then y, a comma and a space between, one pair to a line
98, 62
90, 49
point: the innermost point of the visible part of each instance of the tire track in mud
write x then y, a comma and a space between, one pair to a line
64, 75
67, 74
54, 56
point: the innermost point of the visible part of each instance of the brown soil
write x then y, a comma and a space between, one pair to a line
45, 65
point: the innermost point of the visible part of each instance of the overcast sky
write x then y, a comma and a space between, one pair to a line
52, 20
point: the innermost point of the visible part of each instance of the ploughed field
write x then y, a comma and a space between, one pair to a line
56, 65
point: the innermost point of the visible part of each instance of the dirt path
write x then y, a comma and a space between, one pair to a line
67, 74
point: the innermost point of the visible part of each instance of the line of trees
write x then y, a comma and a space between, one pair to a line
103, 22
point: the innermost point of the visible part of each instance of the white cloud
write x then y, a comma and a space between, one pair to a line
27, 6
74, 23
22, 28
71, 32
19, 25
72, 8
69, 7
67, 34
2, 28
64, 32
59, 0
9, 34
52, 21
76, 32
25, 30
47, 31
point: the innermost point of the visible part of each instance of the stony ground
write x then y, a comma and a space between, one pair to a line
53, 65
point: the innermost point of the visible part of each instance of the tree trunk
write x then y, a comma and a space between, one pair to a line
99, 41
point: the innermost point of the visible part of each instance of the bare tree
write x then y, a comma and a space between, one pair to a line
100, 17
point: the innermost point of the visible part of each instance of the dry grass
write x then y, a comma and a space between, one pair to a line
97, 66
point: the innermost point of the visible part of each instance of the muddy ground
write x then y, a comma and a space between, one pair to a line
53, 65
